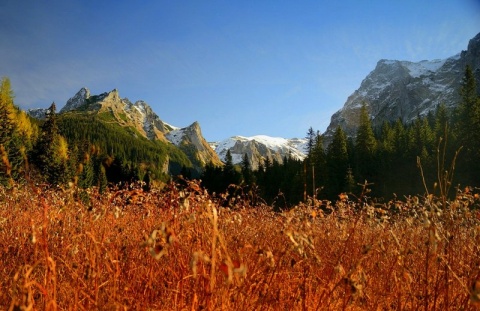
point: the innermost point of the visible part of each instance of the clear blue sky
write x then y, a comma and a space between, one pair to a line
237, 67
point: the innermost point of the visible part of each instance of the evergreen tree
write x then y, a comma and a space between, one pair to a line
441, 123
349, 181
230, 175
365, 147
12, 144
337, 163
7, 125
246, 170
319, 163
102, 181
468, 125
311, 136
51, 151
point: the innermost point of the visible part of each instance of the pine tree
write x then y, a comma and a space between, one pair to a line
7, 125
311, 136
337, 163
319, 162
349, 181
365, 147
230, 175
469, 125
51, 151
12, 144
441, 123
246, 170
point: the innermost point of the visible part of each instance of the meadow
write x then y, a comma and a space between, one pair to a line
179, 249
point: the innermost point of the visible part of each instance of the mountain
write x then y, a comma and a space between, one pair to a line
111, 107
190, 140
139, 120
403, 89
140, 117
260, 147
37, 113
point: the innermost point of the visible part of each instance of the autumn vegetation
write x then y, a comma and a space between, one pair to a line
177, 249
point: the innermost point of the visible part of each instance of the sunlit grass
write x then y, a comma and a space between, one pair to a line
177, 249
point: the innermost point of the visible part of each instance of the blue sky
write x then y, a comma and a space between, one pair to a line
237, 67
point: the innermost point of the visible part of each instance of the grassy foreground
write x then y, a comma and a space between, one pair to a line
177, 250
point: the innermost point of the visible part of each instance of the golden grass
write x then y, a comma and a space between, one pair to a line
178, 250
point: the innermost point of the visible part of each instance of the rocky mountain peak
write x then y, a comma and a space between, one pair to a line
78, 100
404, 90
190, 138
109, 106
111, 98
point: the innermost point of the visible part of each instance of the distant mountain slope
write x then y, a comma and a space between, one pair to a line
260, 147
142, 121
111, 107
402, 89
133, 153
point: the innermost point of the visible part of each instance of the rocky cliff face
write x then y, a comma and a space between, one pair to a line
402, 89
259, 148
78, 100
190, 140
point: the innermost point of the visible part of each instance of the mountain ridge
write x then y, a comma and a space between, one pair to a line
189, 139
260, 147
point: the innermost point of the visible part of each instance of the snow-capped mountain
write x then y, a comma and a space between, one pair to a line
403, 89
260, 147
38, 113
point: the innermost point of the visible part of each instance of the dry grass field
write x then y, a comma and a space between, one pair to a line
179, 250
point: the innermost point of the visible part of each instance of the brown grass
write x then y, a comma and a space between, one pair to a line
178, 250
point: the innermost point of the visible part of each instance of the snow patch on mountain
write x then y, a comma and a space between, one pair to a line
38, 113
424, 67
260, 147
176, 136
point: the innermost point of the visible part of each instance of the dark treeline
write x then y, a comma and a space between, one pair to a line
395, 159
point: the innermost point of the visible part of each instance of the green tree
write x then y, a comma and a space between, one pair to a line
311, 136
441, 123
365, 147
246, 170
51, 151
319, 163
230, 174
337, 163
468, 126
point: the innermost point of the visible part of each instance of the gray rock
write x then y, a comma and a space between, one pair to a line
405, 90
